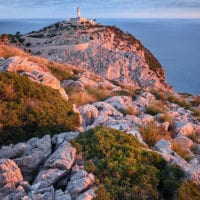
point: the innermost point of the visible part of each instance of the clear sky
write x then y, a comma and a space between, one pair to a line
100, 8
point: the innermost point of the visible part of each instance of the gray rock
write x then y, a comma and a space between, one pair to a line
79, 181
87, 195
120, 102
89, 113
63, 158
60, 195
184, 128
48, 177
12, 151
10, 174
183, 141
36, 152
164, 147
107, 109
60, 138
42, 194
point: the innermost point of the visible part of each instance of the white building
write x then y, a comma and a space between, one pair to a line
80, 19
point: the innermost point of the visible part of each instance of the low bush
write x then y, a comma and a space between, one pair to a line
188, 191
29, 109
155, 108
151, 133
123, 169
60, 72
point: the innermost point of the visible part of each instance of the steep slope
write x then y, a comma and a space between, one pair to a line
104, 50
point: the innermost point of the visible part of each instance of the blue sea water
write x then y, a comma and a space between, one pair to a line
174, 42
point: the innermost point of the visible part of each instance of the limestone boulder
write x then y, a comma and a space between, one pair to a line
62, 137
12, 151
41, 194
32, 70
60, 195
145, 119
10, 174
163, 146
185, 128
79, 181
87, 195
63, 158
144, 99
120, 102
36, 152
89, 113
107, 109
183, 141
49, 177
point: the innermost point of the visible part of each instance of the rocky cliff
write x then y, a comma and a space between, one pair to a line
104, 50
147, 145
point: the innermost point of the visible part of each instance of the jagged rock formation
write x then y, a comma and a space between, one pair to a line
104, 50
46, 168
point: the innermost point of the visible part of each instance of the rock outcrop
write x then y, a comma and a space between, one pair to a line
48, 172
33, 71
104, 50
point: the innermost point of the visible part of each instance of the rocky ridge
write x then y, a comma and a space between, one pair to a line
104, 50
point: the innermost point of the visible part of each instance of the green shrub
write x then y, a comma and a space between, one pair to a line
153, 63
123, 169
188, 191
29, 109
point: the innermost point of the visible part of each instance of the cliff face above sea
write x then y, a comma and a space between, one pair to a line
104, 50
85, 113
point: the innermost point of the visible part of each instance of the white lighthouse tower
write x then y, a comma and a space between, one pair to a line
78, 12
79, 19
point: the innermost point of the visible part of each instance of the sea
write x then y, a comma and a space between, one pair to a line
174, 42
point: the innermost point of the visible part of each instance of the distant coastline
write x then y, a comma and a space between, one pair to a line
175, 42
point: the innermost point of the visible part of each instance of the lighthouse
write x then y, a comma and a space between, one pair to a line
79, 19
78, 12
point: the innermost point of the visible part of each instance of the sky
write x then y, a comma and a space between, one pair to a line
100, 8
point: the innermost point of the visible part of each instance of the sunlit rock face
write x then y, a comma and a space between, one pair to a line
107, 51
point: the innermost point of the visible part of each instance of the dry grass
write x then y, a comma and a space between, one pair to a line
80, 98
155, 108
151, 133
128, 111
10, 51
181, 150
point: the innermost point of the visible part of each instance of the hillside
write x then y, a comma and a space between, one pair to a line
104, 50
92, 117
